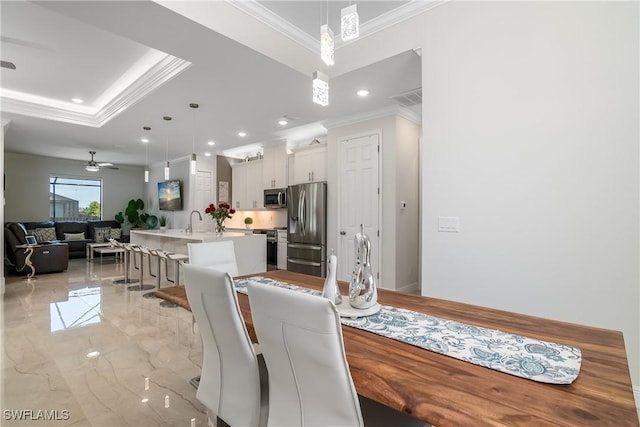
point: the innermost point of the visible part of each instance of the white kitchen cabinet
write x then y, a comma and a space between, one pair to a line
275, 167
310, 164
247, 190
238, 185
282, 249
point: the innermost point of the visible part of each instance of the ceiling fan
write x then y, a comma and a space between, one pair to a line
93, 166
7, 64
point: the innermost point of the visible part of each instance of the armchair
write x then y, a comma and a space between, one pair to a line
46, 258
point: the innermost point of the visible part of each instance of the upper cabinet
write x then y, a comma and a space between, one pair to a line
247, 189
275, 167
310, 164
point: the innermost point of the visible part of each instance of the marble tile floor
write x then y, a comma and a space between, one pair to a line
78, 350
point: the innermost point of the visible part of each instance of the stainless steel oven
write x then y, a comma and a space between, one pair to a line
272, 247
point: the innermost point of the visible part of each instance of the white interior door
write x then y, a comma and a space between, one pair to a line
203, 196
359, 200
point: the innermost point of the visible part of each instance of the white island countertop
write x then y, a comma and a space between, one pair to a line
250, 249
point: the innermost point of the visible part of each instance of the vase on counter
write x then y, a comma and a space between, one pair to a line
219, 227
330, 290
362, 287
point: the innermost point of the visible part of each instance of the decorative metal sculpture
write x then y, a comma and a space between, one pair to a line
362, 287
330, 289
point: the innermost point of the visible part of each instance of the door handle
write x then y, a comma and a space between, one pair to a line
343, 233
302, 262
304, 246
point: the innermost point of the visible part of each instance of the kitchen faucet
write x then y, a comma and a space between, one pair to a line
190, 228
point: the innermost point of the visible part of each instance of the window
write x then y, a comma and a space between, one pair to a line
74, 199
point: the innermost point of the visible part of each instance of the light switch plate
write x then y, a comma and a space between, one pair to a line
450, 224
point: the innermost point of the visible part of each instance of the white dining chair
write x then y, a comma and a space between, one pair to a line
232, 383
219, 255
300, 336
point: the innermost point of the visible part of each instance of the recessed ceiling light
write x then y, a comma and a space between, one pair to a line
77, 100
145, 140
211, 143
362, 93
242, 134
93, 354
207, 154
145, 400
283, 121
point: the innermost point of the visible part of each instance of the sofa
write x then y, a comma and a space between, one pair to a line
74, 233
46, 257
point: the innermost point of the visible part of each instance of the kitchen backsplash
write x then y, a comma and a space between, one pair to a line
261, 219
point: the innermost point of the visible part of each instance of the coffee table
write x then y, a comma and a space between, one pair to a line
103, 248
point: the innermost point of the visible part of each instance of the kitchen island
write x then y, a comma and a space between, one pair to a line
250, 249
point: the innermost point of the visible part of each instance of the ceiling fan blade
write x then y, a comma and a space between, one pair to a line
111, 167
105, 164
7, 64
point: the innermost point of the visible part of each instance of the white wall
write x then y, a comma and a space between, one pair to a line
530, 121
178, 169
27, 185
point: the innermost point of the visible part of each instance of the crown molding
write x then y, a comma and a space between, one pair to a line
276, 22
154, 75
153, 78
391, 18
379, 23
394, 110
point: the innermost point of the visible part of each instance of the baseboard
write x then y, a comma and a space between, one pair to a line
411, 288
636, 395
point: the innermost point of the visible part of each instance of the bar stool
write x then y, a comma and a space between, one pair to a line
128, 248
141, 286
163, 257
153, 253
178, 260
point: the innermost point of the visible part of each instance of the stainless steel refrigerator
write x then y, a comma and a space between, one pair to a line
307, 228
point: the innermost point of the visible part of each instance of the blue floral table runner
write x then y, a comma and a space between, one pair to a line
513, 354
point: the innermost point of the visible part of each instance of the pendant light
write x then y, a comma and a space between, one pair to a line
320, 88
193, 164
326, 39
166, 166
146, 155
350, 23
326, 44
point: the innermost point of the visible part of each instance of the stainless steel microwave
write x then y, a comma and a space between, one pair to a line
275, 198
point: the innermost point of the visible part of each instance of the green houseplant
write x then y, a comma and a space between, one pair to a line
162, 221
248, 221
134, 214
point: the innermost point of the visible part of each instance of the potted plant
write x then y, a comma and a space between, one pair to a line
134, 214
162, 220
247, 222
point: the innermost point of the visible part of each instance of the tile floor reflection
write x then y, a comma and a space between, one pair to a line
78, 350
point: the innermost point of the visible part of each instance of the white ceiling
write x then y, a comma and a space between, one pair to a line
135, 62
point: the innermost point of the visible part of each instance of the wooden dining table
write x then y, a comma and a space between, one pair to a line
444, 391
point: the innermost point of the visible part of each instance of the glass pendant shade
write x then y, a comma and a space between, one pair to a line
350, 23
193, 164
146, 175
326, 44
320, 88
166, 171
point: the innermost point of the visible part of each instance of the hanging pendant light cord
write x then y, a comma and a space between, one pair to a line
166, 157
